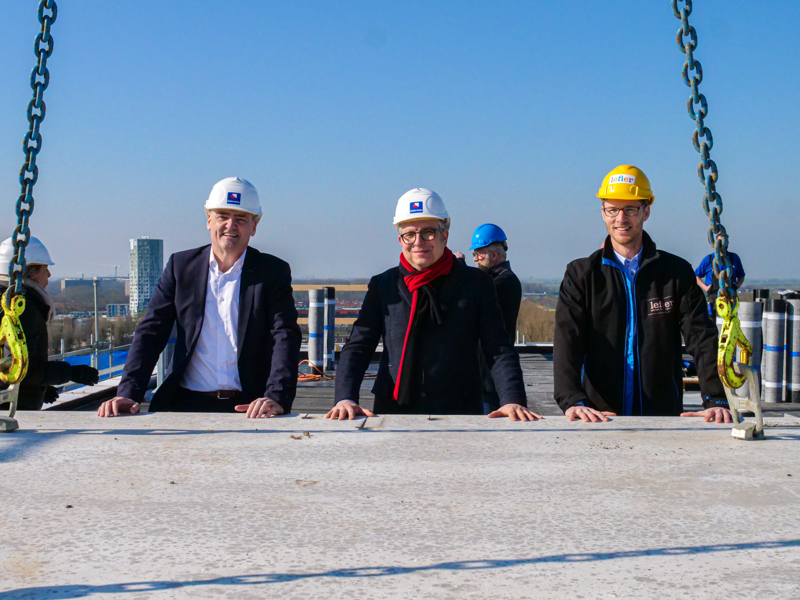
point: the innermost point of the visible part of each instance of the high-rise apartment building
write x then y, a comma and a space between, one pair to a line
147, 262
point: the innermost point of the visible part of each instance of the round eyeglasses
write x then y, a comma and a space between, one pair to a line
409, 237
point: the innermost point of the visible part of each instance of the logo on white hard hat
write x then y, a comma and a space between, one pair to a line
234, 198
416, 207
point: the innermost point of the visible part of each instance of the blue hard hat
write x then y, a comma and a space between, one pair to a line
487, 234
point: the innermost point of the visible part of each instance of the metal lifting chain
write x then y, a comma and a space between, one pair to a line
712, 201
13, 301
32, 144
727, 303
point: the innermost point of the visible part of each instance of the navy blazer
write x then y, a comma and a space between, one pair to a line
268, 335
450, 379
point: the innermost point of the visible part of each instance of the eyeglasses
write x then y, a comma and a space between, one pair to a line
613, 211
409, 237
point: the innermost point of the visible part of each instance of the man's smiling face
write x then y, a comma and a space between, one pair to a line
230, 230
625, 230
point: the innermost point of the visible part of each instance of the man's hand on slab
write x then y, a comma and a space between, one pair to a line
347, 409
119, 405
587, 415
262, 407
515, 412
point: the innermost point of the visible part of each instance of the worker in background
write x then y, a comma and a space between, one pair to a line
432, 311
489, 252
710, 284
38, 387
620, 316
238, 342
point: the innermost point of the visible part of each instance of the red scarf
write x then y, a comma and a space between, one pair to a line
415, 280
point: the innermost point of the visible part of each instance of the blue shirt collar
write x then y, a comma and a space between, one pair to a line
631, 265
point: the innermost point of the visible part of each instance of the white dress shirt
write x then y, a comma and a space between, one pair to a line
215, 362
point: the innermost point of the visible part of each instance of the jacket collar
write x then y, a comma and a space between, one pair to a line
197, 272
499, 269
649, 251
246, 291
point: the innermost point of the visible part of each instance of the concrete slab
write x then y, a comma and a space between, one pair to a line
189, 505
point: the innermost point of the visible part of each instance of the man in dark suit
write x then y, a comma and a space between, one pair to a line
238, 342
432, 312
489, 248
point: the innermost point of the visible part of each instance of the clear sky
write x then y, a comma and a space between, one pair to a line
512, 111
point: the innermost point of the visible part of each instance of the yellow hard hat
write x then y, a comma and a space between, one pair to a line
626, 182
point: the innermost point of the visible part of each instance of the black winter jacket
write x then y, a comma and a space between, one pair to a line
41, 372
595, 350
509, 295
448, 376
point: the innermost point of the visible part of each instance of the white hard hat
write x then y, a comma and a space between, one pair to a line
420, 203
234, 193
35, 254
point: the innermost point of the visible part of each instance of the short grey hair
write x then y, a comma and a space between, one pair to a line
247, 212
445, 224
499, 247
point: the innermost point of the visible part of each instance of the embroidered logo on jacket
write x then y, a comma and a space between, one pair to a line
659, 306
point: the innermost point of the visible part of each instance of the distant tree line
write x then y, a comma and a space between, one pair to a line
77, 333
536, 322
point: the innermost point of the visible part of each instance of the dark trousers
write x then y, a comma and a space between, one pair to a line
184, 400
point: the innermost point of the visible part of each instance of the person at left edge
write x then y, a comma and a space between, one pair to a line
39, 386
432, 312
238, 342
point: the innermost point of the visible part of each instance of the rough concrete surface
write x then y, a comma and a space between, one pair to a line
216, 506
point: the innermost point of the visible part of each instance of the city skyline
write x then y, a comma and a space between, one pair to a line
333, 111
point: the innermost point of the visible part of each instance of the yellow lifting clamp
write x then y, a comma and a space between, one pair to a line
11, 334
747, 430
734, 374
730, 338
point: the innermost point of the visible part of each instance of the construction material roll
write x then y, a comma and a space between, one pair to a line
760, 295
329, 342
750, 322
316, 335
774, 327
793, 350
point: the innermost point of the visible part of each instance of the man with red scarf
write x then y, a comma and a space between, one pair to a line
432, 312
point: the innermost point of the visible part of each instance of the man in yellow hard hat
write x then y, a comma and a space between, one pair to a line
620, 315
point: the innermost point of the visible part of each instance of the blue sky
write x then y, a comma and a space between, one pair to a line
512, 111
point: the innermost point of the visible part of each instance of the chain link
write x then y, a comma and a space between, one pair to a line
32, 144
702, 140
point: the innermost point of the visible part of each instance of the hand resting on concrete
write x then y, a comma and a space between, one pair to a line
587, 415
347, 409
262, 407
515, 412
716, 414
119, 405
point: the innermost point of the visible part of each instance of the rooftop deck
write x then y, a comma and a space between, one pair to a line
187, 505
317, 397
